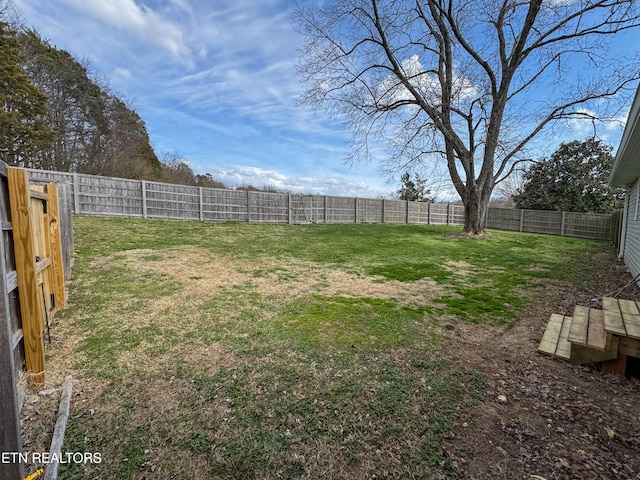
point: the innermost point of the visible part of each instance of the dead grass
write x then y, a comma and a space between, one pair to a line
203, 274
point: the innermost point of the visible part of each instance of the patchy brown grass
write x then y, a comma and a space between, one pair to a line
190, 362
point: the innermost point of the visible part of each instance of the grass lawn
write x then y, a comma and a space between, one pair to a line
206, 350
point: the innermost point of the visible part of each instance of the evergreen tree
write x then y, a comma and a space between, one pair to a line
414, 189
23, 132
574, 179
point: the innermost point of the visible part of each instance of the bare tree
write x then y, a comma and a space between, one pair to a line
460, 80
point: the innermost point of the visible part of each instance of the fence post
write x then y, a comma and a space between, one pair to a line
201, 204
383, 210
407, 208
76, 194
562, 224
428, 213
248, 206
448, 208
355, 220
289, 209
144, 198
325, 209
521, 219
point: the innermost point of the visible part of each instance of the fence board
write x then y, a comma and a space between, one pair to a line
31, 308
11, 344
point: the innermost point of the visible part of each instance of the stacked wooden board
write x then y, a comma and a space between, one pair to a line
608, 335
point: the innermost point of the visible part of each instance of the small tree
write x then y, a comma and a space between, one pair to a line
414, 190
176, 169
575, 179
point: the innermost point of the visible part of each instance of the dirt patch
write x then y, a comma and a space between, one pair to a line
545, 418
459, 268
203, 274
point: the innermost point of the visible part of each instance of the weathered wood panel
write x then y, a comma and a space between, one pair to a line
302, 209
587, 225
267, 207
439, 214
395, 211
11, 342
538, 221
221, 205
369, 210
109, 196
173, 202
504, 219
65, 213
341, 210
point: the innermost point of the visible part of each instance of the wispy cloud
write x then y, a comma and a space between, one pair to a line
139, 20
238, 175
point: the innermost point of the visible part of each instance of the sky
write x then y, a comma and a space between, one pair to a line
215, 83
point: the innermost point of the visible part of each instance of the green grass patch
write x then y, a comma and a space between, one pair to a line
357, 323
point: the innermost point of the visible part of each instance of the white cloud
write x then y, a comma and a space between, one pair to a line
239, 175
139, 20
587, 123
390, 90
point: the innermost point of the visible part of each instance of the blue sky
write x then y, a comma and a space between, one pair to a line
215, 83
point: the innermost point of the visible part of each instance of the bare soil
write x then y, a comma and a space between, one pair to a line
544, 418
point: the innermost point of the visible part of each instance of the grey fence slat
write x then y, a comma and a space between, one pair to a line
11, 345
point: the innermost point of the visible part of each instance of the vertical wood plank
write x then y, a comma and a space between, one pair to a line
618, 366
31, 308
76, 194
355, 220
55, 242
325, 209
143, 186
10, 434
248, 206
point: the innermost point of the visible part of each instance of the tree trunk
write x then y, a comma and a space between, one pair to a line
475, 208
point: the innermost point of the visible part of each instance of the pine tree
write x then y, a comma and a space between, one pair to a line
22, 130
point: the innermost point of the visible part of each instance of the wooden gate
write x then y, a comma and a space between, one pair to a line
31, 290
38, 254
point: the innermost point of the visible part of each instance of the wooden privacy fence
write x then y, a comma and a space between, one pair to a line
35, 233
591, 226
138, 198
